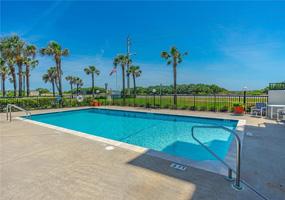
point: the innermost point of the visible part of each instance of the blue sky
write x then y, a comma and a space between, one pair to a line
232, 44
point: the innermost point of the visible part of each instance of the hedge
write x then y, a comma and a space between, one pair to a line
35, 103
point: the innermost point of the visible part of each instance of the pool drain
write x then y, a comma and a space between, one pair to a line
109, 148
178, 166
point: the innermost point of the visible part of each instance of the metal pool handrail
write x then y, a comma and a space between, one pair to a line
9, 110
238, 180
236, 185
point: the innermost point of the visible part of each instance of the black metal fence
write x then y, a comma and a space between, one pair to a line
223, 103
219, 103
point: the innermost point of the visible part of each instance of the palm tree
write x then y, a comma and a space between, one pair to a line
12, 72
18, 54
30, 62
174, 57
51, 76
78, 83
3, 73
55, 50
123, 60
6, 47
24, 82
92, 70
71, 80
135, 72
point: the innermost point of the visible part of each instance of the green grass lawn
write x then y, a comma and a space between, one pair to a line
218, 103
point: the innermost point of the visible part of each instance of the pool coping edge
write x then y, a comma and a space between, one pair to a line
213, 166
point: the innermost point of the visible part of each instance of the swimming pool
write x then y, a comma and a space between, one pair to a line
170, 134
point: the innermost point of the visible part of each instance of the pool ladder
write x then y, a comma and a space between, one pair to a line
9, 111
237, 184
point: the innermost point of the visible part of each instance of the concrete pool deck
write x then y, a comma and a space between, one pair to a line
42, 163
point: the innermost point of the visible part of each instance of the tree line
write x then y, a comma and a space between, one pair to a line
183, 89
16, 54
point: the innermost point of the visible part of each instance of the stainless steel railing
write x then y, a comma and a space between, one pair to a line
237, 184
9, 111
238, 179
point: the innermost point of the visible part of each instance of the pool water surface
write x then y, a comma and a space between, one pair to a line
170, 134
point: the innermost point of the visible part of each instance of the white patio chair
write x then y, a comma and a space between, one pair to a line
259, 108
280, 113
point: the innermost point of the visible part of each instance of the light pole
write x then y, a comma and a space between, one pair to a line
106, 92
244, 97
128, 63
97, 93
160, 94
129, 54
153, 92
128, 75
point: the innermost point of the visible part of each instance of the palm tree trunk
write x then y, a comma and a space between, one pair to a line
28, 79
128, 80
124, 94
58, 67
56, 84
135, 88
20, 79
71, 89
12, 70
24, 84
174, 85
53, 88
77, 89
3, 86
93, 85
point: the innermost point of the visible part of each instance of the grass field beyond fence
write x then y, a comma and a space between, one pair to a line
220, 103
223, 103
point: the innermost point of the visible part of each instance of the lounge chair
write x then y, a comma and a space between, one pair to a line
259, 108
280, 113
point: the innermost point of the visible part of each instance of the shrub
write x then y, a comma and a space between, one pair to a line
172, 107
236, 104
203, 108
184, 108
193, 108
107, 103
224, 109
166, 106
31, 103
147, 105
213, 109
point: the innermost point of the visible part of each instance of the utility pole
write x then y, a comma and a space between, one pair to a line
128, 64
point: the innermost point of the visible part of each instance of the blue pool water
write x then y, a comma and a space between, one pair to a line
166, 133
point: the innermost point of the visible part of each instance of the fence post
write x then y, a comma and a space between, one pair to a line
215, 102
244, 100
160, 100
194, 102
